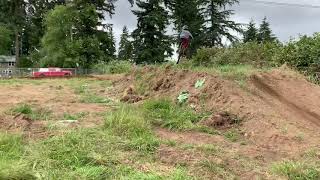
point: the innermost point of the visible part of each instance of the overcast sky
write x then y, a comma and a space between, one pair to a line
286, 21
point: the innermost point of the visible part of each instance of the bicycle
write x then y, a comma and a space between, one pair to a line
182, 52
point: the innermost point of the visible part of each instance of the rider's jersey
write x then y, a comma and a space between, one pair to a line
185, 34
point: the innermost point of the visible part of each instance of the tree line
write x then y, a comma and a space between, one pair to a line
72, 33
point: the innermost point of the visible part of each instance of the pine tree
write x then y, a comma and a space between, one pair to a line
187, 12
218, 23
112, 49
6, 40
125, 45
151, 44
251, 34
265, 33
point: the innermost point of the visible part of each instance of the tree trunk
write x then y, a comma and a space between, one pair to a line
17, 46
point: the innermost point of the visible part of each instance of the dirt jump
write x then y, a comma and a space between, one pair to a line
278, 107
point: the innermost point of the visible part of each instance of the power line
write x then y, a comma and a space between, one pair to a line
285, 4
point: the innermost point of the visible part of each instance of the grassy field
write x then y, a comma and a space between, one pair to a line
108, 139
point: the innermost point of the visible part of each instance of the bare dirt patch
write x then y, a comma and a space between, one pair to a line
55, 96
189, 137
22, 124
221, 121
130, 96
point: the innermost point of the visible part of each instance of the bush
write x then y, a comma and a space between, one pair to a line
303, 54
204, 56
251, 53
113, 67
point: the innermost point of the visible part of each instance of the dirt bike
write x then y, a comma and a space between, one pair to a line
182, 52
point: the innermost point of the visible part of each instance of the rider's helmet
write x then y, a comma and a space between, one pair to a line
185, 27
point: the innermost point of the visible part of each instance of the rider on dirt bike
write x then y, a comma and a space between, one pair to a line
185, 38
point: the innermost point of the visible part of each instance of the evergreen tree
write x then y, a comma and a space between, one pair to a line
251, 34
265, 32
187, 12
112, 50
218, 23
151, 44
6, 40
125, 46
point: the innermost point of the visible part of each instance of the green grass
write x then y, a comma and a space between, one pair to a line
169, 115
232, 135
297, 170
21, 81
129, 122
67, 116
218, 169
32, 112
11, 151
209, 149
238, 73
83, 154
88, 90
114, 67
95, 99
23, 109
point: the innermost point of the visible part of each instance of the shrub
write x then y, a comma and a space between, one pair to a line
302, 54
113, 67
204, 56
251, 53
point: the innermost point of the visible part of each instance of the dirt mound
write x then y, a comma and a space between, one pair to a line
279, 103
223, 120
295, 97
163, 84
24, 125
130, 96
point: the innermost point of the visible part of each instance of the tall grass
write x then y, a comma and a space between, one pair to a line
113, 67
128, 122
166, 114
11, 163
32, 112
297, 170
80, 154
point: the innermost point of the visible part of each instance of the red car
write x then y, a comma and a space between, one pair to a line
52, 72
